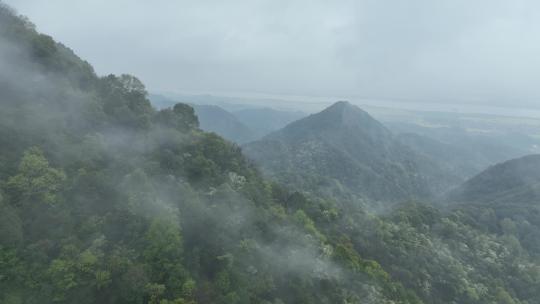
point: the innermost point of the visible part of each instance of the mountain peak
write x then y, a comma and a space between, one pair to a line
341, 107
340, 118
342, 104
343, 113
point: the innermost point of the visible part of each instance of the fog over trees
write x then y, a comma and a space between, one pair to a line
114, 189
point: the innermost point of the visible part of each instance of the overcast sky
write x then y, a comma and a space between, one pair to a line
476, 51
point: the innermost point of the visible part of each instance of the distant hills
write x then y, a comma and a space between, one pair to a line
468, 143
263, 121
505, 199
459, 159
516, 180
215, 119
235, 122
343, 147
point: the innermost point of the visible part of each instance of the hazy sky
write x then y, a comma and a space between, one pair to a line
478, 51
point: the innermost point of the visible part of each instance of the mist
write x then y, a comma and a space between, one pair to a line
481, 52
200, 155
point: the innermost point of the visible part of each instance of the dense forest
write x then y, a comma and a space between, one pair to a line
105, 199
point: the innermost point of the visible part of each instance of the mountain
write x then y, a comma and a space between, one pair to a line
505, 198
513, 179
215, 119
344, 145
265, 120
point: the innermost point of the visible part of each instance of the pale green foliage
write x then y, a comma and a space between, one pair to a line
154, 291
163, 242
35, 179
502, 297
303, 219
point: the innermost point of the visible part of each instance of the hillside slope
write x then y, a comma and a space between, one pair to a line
505, 198
498, 181
344, 145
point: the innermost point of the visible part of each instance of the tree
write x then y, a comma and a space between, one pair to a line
35, 180
163, 248
132, 84
181, 117
125, 102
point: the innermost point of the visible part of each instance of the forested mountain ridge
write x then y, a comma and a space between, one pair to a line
499, 179
505, 198
104, 199
344, 145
